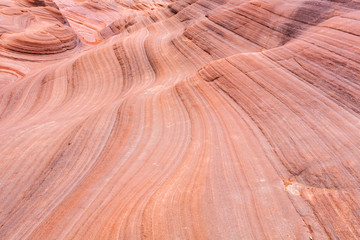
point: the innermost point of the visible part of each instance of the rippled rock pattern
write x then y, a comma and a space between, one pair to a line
186, 119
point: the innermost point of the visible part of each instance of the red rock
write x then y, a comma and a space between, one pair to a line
192, 119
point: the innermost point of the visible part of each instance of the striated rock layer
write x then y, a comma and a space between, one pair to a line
187, 119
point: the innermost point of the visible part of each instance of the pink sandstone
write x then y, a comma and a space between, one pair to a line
185, 119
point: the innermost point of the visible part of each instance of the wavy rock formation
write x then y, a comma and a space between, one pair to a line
187, 119
39, 28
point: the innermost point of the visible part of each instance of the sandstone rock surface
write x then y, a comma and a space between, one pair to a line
185, 119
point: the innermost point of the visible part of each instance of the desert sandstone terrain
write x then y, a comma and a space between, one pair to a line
179, 119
